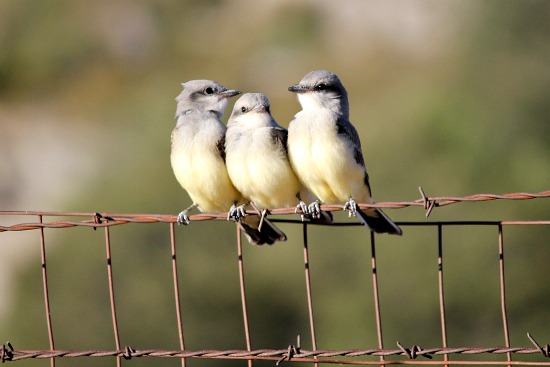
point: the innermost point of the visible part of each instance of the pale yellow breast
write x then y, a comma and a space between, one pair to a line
325, 163
262, 173
202, 173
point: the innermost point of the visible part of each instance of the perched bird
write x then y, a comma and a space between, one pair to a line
325, 151
198, 156
257, 158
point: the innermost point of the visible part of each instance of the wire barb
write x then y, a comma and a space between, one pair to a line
413, 352
291, 352
545, 351
127, 354
6, 354
428, 204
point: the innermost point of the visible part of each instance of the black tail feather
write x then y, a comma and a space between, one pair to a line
376, 220
324, 218
267, 234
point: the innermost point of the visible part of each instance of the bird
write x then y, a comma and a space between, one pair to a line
257, 158
325, 150
198, 156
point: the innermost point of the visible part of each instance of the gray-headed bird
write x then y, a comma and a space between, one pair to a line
325, 150
198, 156
257, 158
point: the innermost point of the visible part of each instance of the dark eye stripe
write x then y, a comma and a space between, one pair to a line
323, 87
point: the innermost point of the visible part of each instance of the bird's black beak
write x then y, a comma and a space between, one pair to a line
297, 88
229, 93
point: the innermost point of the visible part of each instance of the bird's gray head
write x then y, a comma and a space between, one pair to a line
251, 105
322, 89
205, 95
250, 102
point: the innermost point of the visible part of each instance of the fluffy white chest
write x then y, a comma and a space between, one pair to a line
200, 169
260, 169
324, 160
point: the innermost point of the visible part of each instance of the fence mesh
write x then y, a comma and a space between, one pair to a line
380, 355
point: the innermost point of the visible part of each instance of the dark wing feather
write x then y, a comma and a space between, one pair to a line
220, 147
279, 135
346, 129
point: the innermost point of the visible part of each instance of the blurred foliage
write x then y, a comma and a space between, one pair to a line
459, 109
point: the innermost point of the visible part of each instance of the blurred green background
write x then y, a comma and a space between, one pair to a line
452, 96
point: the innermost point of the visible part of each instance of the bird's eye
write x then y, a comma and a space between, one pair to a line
321, 86
243, 109
209, 90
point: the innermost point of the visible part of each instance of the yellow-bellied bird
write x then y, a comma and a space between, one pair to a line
257, 158
198, 156
325, 150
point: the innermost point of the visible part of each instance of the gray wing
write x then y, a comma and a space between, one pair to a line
347, 130
279, 136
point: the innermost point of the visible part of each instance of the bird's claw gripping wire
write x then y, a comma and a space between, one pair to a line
236, 212
302, 206
183, 218
314, 210
351, 206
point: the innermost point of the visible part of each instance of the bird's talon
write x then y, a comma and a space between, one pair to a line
351, 206
302, 206
183, 218
236, 212
314, 210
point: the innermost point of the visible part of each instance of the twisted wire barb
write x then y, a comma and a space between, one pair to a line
103, 220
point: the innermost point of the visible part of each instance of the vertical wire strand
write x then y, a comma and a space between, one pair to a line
112, 292
376, 294
503, 291
308, 290
243, 292
177, 289
441, 292
46, 290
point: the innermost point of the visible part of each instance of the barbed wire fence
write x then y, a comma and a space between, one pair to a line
409, 355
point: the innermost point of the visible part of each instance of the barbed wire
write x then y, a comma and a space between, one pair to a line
104, 220
294, 354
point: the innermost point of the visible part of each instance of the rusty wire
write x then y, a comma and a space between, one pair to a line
299, 355
101, 220
46, 292
293, 353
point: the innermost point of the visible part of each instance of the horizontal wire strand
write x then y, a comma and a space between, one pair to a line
97, 220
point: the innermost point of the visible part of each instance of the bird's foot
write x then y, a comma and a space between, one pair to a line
183, 218
302, 206
351, 206
314, 210
236, 212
